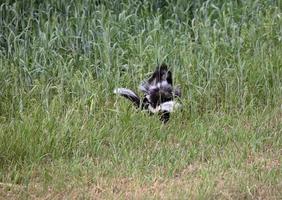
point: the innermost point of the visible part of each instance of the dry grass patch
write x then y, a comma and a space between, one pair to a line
199, 180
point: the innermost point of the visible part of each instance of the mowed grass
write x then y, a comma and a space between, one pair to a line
63, 134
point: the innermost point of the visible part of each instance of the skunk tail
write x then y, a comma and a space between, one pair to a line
129, 94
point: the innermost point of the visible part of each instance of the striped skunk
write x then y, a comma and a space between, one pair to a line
159, 94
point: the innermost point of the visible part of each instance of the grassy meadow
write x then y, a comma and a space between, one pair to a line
65, 135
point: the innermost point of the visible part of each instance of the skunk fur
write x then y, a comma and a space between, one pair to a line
159, 94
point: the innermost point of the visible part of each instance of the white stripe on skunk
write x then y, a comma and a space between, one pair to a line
125, 91
169, 106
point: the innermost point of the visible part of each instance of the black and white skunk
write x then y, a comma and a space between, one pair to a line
159, 94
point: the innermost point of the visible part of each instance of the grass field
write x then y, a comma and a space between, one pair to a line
64, 135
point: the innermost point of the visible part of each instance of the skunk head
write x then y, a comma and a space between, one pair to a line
159, 95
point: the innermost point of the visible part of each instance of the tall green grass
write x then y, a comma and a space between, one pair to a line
61, 60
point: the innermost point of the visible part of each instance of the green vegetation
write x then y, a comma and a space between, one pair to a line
63, 134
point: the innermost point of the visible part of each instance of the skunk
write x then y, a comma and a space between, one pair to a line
159, 94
